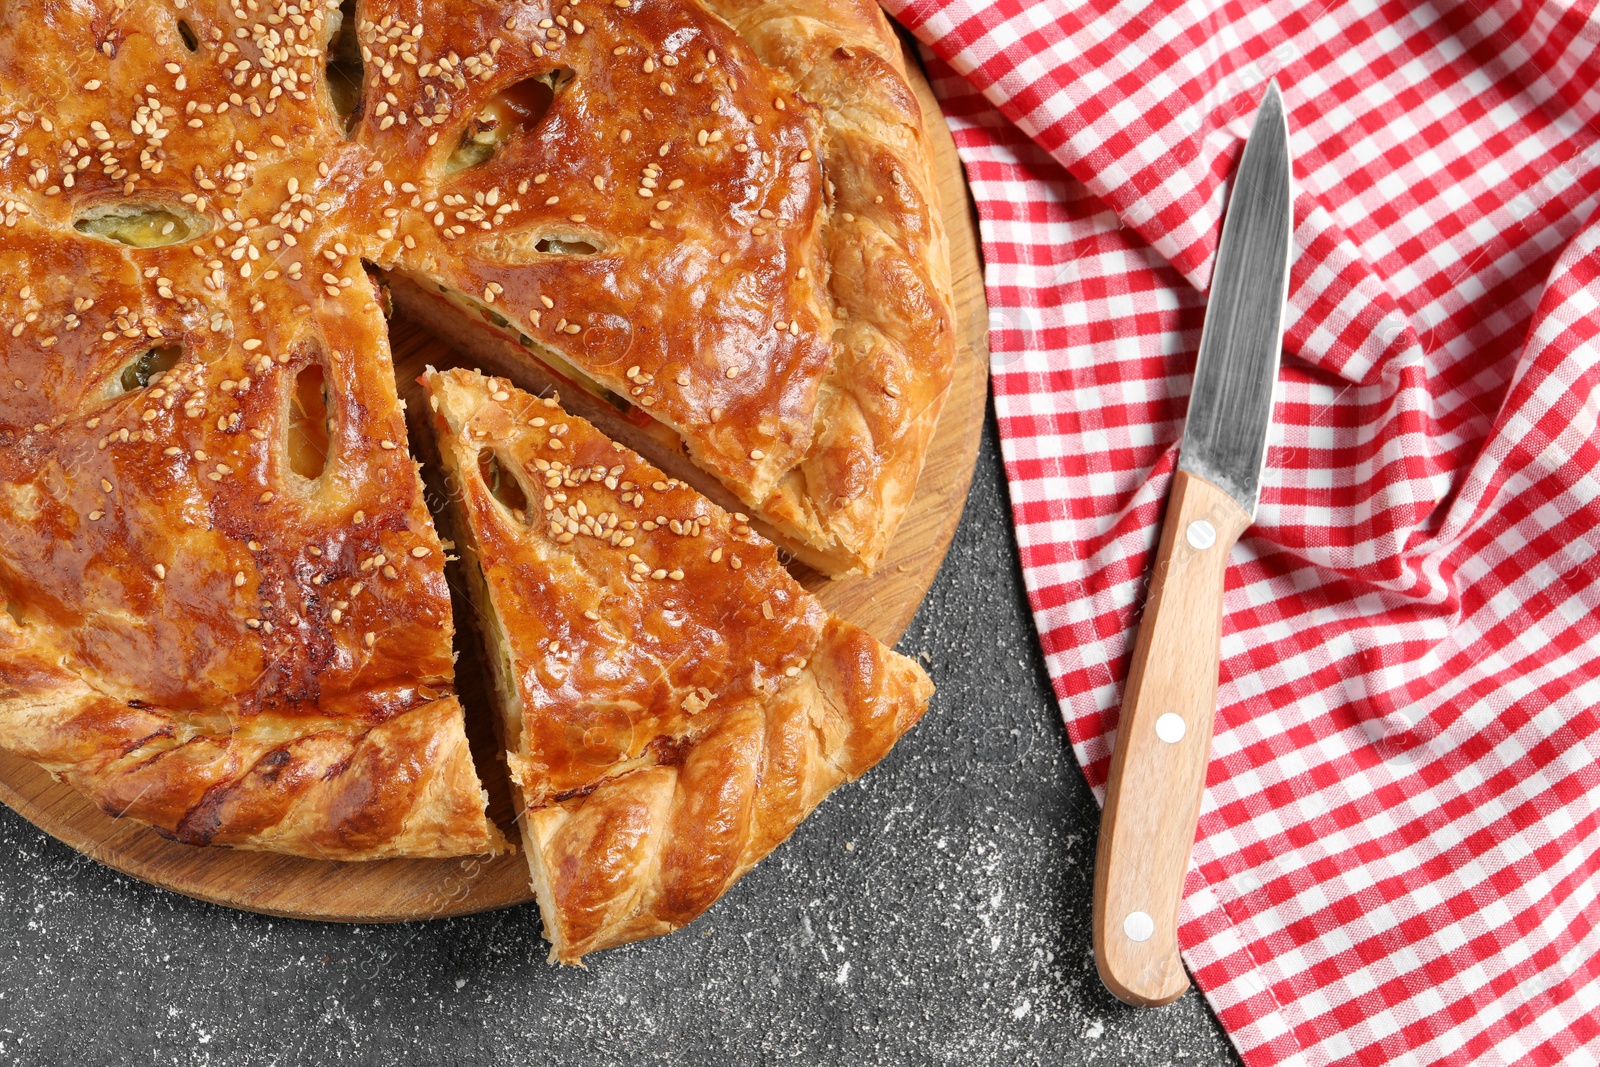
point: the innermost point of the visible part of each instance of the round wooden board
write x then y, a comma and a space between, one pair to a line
405, 890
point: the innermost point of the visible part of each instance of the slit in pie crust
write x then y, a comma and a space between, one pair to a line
672, 703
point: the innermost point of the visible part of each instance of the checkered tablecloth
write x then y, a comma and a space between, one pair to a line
1397, 854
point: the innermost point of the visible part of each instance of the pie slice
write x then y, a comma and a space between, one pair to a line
672, 702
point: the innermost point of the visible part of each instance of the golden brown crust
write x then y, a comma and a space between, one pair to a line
650, 850
197, 634
328, 788
676, 702
779, 295
888, 262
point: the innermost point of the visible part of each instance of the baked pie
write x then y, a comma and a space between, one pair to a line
711, 222
672, 703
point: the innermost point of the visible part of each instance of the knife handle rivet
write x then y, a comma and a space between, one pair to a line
1201, 535
1170, 728
1138, 926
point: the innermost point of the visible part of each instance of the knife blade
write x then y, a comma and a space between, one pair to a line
1163, 742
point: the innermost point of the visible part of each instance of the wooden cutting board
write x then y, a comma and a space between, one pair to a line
402, 890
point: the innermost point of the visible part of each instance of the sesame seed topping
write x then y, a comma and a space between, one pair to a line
308, 215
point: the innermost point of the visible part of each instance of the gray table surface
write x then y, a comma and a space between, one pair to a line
936, 912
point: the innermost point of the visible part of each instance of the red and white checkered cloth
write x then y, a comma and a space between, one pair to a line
1399, 849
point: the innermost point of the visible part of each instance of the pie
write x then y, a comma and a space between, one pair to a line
672, 702
711, 223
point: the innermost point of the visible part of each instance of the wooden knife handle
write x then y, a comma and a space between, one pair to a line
1158, 767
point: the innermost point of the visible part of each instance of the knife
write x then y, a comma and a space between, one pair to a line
1158, 766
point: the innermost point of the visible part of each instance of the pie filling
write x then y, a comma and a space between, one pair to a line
629, 422
142, 225
345, 70
518, 108
498, 347
148, 368
310, 428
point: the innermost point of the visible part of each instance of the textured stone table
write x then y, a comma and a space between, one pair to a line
936, 912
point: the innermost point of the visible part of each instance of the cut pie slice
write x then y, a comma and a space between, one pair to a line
672, 702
